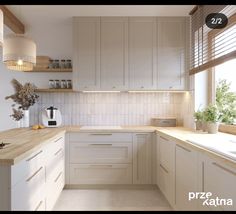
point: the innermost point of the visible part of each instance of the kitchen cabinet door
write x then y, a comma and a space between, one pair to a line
219, 179
186, 177
86, 53
166, 168
142, 158
172, 46
142, 53
114, 53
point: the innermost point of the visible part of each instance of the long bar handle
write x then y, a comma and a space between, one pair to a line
164, 138
101, 134
58, 177
57, 139
29, 159
183, 148
164, 168
101, 166
225, 169
58, 151
32, 176
40, 203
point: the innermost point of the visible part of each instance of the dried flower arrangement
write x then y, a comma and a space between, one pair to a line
24, 96
17, 114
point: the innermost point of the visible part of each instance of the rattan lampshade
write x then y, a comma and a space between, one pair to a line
19, 53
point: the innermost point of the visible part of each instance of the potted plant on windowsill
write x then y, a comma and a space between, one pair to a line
198, 115
212, 117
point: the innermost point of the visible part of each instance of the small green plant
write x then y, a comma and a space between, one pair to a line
226, 102
212, 114
198, 115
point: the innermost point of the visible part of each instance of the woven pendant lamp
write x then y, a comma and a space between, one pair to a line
19, 53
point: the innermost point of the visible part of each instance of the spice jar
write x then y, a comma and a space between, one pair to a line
51, 84
56, 63
63, 63
50, 65
68, 63
69, 84
57, 84
63, 84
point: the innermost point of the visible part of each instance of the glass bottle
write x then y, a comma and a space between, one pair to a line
68, 63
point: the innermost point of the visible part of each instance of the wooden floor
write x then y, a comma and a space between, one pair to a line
112, 199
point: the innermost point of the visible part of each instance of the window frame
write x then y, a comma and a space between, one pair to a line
231, 129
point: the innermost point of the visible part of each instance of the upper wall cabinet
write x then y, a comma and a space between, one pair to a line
86, 54
142, 53
114, 53
130, 53
172, 47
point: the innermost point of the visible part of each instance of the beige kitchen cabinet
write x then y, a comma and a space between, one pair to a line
186, 177
142, 53
35, 182
172, 52
100, 173
114, 53
99, 158
166, 168
142, 158
55, 170
86, 53
219, 179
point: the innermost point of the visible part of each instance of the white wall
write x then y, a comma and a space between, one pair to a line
54, 40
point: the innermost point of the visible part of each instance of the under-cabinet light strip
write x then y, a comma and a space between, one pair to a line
101, 91
157, 91
135, 91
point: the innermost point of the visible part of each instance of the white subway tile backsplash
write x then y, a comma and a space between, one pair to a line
115, 108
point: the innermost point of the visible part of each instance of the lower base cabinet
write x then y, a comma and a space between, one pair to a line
219, 180
142, 158
101, 174
186, 177
166, 168
29, 194
34, 183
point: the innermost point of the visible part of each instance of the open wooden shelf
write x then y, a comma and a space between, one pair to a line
54, 90
51, 70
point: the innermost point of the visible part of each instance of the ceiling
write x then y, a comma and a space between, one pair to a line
31, 15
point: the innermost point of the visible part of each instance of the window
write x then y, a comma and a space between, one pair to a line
213, 58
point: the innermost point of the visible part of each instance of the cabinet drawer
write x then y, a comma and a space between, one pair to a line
100, 137
98, 152
55, 186
26, 167
100, 173
167, 184
55, 154
27, 194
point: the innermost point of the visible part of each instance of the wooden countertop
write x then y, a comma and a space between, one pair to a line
25, 141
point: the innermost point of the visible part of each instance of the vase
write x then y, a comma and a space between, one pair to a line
212, 127
198, 125
204, 126
25, 119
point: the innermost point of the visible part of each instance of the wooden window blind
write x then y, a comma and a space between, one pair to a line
211, 47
